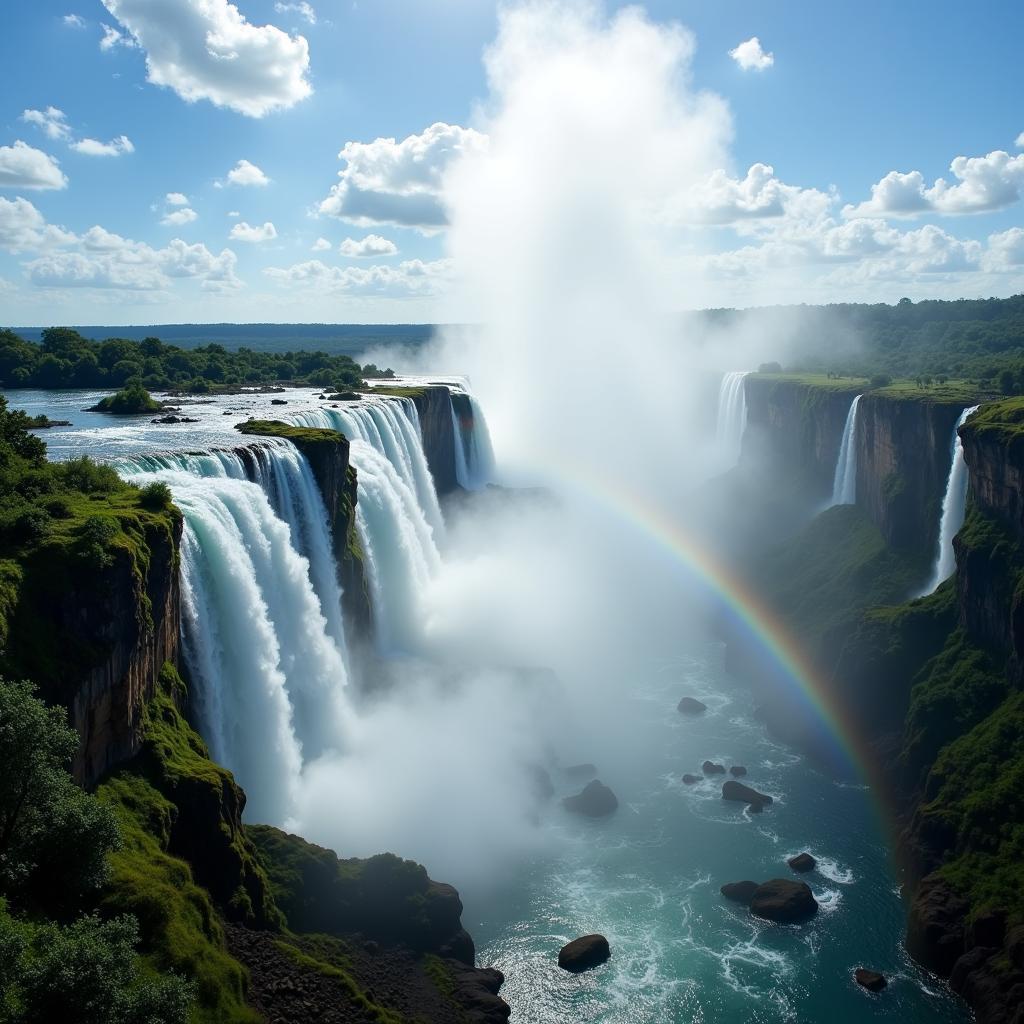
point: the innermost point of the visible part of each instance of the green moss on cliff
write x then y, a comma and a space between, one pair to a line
298, 435
1000, 423
396, 391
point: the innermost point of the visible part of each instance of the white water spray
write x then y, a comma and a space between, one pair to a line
953, 508
732, 415
474, 456
844, 484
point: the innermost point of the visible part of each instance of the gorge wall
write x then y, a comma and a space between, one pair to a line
434, 408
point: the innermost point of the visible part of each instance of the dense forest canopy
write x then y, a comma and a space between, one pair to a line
64, 359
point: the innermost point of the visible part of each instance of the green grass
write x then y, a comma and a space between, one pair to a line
851, 385
298, 435
966, 392
396, 391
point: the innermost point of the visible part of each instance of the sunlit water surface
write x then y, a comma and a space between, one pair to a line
648, 877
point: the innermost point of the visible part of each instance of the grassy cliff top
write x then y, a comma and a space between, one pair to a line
1001, 422
298, 435
949, 391
398, 391
815, 380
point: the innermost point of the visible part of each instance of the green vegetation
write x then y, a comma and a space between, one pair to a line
303, 435
58, 961
64, 359
394, 391
965, 391
130, 401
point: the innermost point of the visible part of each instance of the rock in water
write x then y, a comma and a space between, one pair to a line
595, 800
741, 892
583, 953
737, 770
710, 768
802, 862
691, 706
784, 901
871, 980
733, 790
691, 779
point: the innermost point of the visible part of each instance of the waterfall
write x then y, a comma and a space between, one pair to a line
844, 484
474, 456
732, 415
953, 507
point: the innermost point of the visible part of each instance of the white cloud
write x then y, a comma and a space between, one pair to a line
21, 166
176, 218
722, 199
1020, 141
176, 199
320, 245
112, 38
984, 183
409, 278
246, 173
93, 147
301, 8
73, 21
1005, 250
234, 213
24, 228
207, 50
371, 245
389, 182
244, 232
52, 121
751, 56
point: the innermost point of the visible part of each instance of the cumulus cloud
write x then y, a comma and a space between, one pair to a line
303, 9
751, 56
73, 21
23, 228
184, 215
52, 121
409, 278
1020, 141
371, 245
722, 199
983, 183
22, 166
247, 174
93, 147
400, 183
320, 245
1005, 250
207, 50
243, 232
112, 37
176, 199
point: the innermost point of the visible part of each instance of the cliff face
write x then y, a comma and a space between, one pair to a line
903, 460
796, 428
434, 408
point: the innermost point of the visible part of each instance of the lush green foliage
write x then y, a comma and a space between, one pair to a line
276, 428
63, 359
129, 401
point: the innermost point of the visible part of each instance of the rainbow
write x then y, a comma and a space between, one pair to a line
746, 611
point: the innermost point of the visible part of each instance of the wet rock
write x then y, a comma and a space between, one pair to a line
595, 801
278, 401
691, 779
802, 862
871, 980
581, 771
691, 706
733, 790
174, 419
740, 892
935, 925
583, 953
989, 929
710, 768
737, 771
784, 901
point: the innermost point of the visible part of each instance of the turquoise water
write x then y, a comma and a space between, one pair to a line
648, 878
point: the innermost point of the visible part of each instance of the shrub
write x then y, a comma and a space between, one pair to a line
881, 380
95, 539
156, 496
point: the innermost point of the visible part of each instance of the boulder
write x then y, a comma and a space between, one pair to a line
583, 953
733, 790
691, 779
174, 419
595, 800
737, 771
278, 401
802, 862
741, 892
871, 980
581, 771
783, 901
710, 768
691, 706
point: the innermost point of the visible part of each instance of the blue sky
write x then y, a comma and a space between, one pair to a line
120, 205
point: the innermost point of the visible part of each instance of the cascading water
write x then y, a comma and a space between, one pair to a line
732, 415
474, 456
261, 623
953, 508
844, 484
